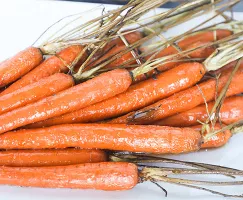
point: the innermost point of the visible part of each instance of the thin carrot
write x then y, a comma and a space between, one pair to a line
50, 157
112, 48
194, 40
36, 91
52, 65
19, 65
137, 96
134, 138
230, 112
184, 100
201, 53
82, 95
217, 140
100, 176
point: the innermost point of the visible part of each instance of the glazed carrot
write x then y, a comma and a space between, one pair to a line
50, 157
134, 138
100, 176
187, 43
202, 52
230, 112
137, 96
19, 65
50, 66
217, 140
36, 91
114, 47
184, 100
82, 95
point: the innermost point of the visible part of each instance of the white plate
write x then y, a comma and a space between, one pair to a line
21, 23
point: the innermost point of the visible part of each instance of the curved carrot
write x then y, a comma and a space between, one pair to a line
100, 176
230, 112
184, 100
137, 96
82, 95
150, 139
50, 66
217, 140
19, 65
50, 157
36, 91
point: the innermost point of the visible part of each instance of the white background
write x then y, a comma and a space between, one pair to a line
21, 22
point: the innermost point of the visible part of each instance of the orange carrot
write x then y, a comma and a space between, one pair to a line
134, 138
100, 176
19, 65
50, 157
184, 100
230, 112
50, 66
36, 91
217, 140
82, 95
137, 96
114, 47
187, 43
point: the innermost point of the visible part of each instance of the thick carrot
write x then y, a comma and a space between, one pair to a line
137, 96
50, 66
36, 91
187, 43
19, 65
217, 140
82, 95
100, 176
50, 157
230, 112
134, 138
184, 100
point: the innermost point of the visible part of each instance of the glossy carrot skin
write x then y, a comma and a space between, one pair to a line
50, 157
137, 96
20, 64
217, 140
99, 176
150, 139
186, 44
36, 91
230, 112
184, 100
82, 95
50, 66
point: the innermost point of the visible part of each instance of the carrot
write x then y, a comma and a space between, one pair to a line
52, 65
36, 91
100, 176
19, 65
187, 43
202, 53
82, 95
184, 100
134, 138
114, 47
230, 112
137, 96
217, 140
50, 157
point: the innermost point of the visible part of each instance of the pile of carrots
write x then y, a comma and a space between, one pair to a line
58, 131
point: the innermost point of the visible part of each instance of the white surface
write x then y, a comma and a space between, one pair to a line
21, 23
